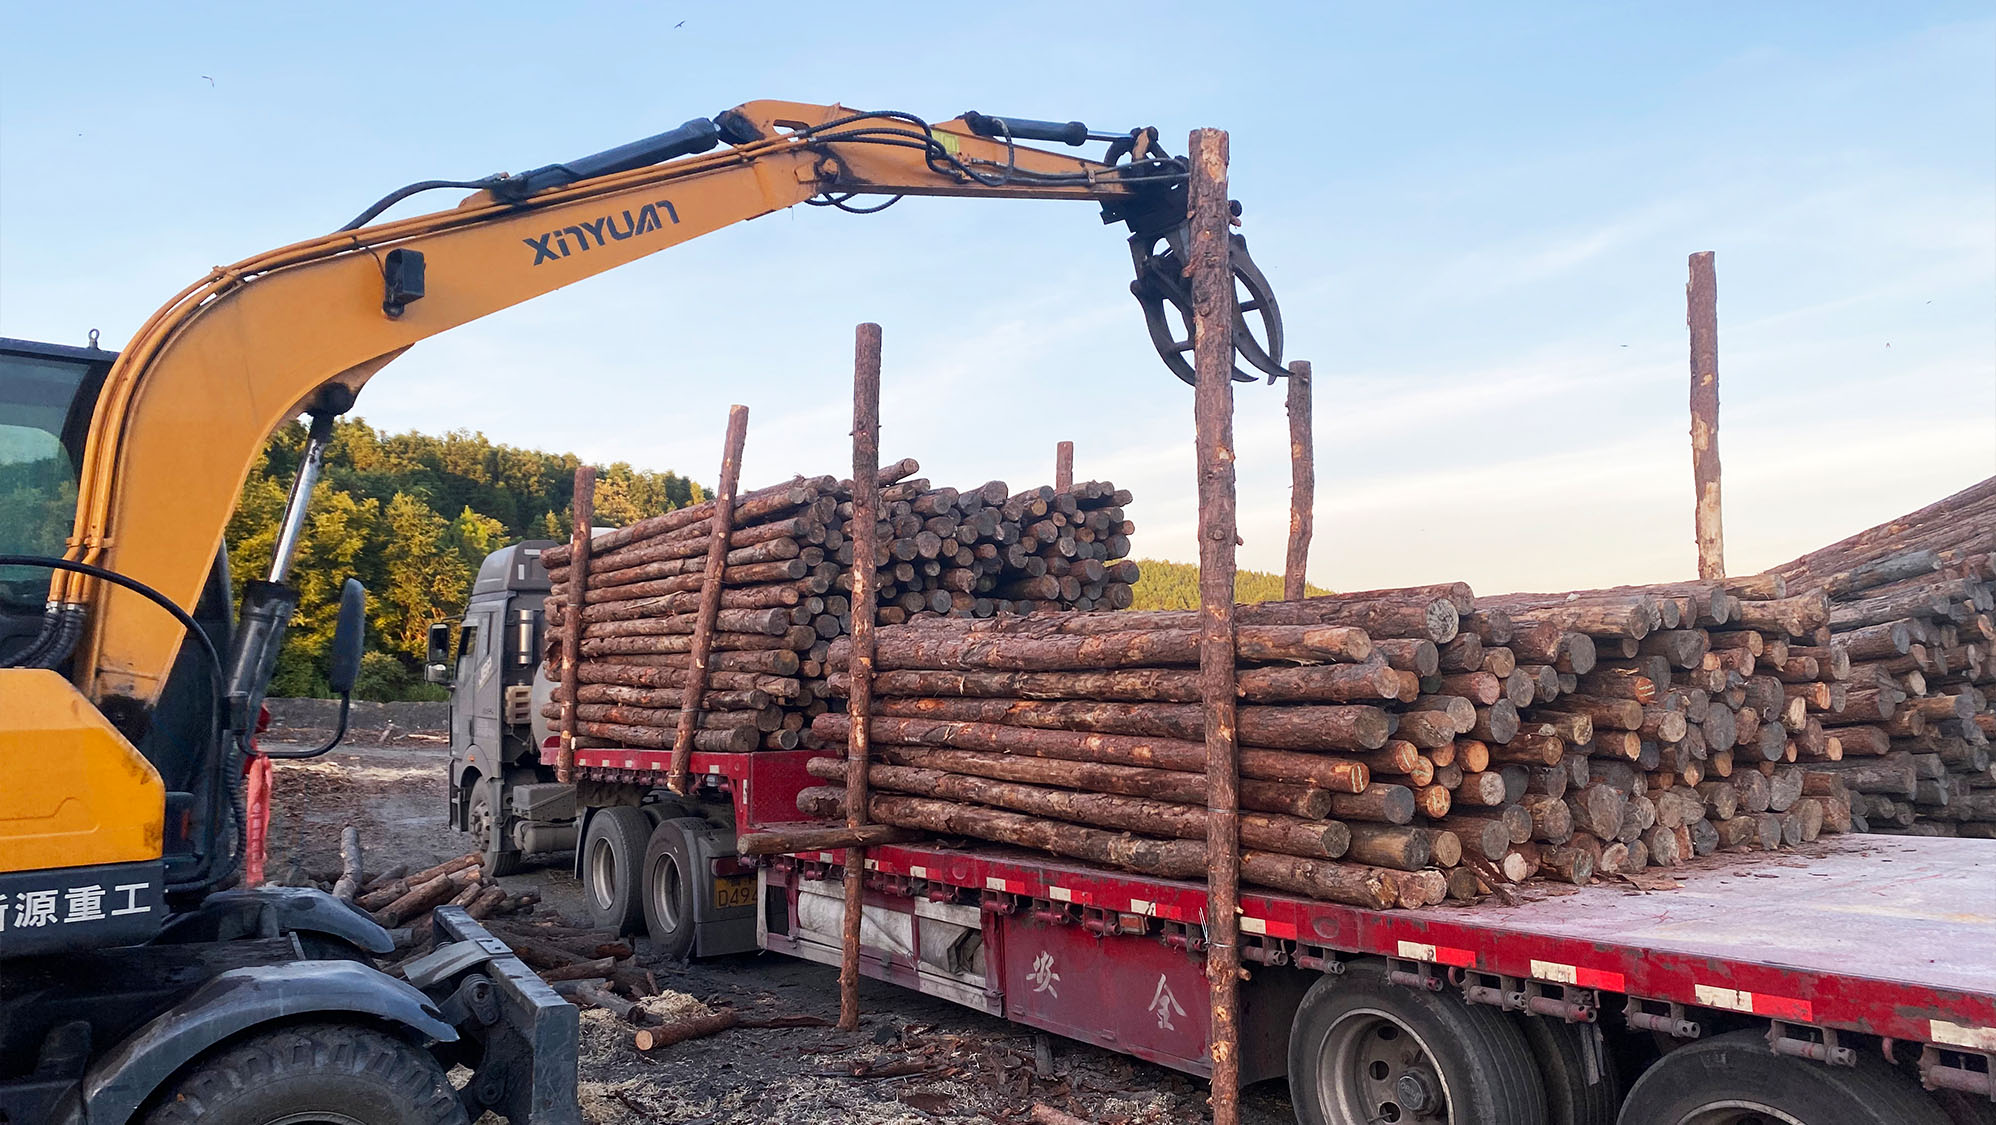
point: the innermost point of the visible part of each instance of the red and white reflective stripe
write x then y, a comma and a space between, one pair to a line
1956, 1035
1580, 976
1439, 954
1065, 894
1268, 927
1756, 1003
1009, 886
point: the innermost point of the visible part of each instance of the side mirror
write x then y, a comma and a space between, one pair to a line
436, 661
349, 637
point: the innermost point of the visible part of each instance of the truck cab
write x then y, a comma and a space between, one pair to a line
649, 859
499, 792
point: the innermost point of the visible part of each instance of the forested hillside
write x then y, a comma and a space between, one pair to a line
411, 516
1170, 585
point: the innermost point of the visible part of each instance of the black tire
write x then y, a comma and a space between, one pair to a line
1462, 1064
613, 850
1739, 1068
357, 1073
482, 813
671, 880
1576, 1093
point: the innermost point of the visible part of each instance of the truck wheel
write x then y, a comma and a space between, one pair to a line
672, 879
1736, 1080
612, 854
1365, 1050
487, 834
313, 1072
1577, 1093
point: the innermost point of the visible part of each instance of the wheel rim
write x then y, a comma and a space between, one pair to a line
602, 869
1738, 1112
481, 823
1373, 1068
667, 884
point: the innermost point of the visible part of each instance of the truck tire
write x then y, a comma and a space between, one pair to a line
1735, 1079
483, 814
613, 850
312, 1072
1363, 1049
1576, 1093
672, 879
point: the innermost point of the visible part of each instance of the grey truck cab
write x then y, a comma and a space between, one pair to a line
648, 859
499, 792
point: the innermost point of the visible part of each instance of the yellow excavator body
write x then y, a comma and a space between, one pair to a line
78, 793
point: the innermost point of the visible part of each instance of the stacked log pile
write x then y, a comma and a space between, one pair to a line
944, 552
1910, 618
1398, 745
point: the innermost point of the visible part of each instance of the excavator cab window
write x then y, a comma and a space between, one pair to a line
47, 393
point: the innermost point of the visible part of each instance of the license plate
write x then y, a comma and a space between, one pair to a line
732, 891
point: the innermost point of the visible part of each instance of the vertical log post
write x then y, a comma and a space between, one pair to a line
1702, 312
583, 505
722, 524
1302, 482
1211, 266
859, 701
1063, 467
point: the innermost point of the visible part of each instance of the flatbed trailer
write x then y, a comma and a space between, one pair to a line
1868, 958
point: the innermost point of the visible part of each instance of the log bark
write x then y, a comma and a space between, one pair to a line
785, 840
1098, 777
347, 888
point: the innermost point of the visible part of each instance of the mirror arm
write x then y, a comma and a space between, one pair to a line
339, 735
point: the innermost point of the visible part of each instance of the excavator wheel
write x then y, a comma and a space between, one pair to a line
312, 1072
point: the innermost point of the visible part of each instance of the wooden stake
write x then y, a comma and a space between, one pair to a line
1702, 301
859, 704
1212, 275
584, 508
1063, 467
679, 778
1302, 482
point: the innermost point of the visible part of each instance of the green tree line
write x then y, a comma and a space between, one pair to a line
1170, 585
411, 516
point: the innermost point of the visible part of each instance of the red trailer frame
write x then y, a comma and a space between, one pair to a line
1811, 942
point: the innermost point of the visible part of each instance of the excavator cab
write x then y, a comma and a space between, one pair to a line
47, 395
132, 970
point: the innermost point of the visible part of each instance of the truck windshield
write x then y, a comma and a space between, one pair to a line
38, 405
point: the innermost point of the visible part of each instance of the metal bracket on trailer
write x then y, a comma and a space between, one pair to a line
1562, 1001
1937, 1073
1320, 958
1273, 952
1824, 1050
1671, 1021
1187, 937
1413, 974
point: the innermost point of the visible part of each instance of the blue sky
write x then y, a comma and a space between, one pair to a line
1477, 218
